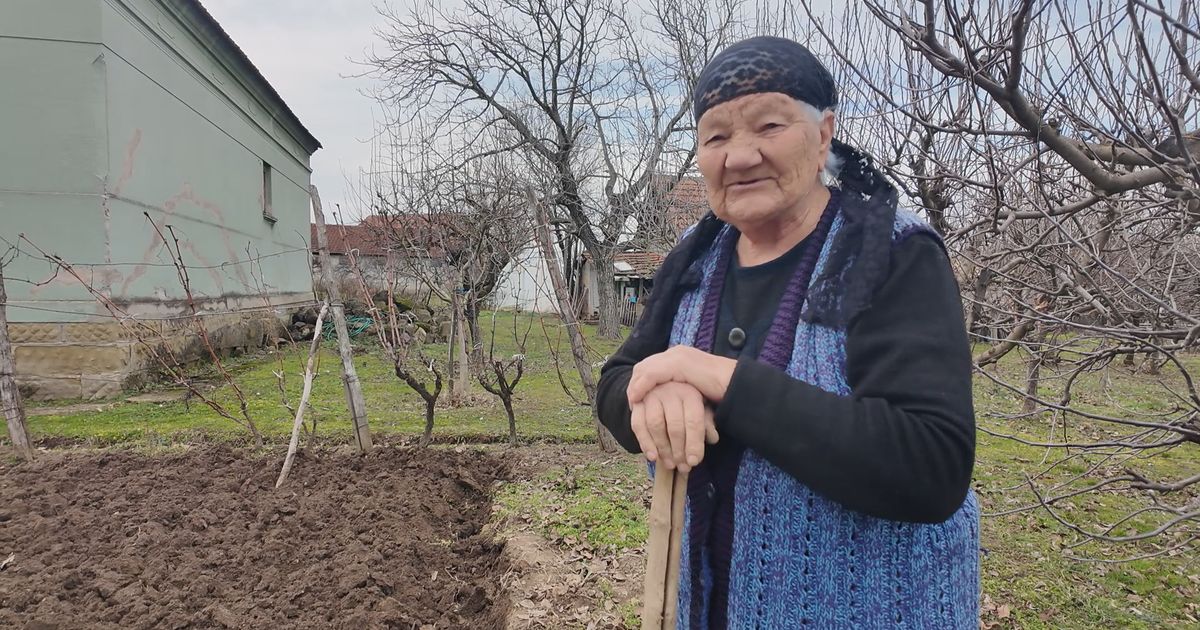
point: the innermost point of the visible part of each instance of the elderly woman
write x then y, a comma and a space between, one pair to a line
818, 333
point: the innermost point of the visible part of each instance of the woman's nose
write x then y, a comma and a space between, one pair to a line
741, 156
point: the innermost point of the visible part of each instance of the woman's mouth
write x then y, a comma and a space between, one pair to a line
750, 183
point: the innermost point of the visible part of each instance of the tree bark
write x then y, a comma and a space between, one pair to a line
354, 395
997, 352
1034, 369
10, 396
512, 420
609, 326
574, 333
978, 293
458, 360
427, 436
473, 327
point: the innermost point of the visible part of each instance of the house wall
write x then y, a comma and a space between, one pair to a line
525, 284
406, 281
52, 130
592, 297
122, 114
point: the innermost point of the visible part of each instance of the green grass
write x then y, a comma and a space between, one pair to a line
602, 503
1026, 565
594, 504
545, 411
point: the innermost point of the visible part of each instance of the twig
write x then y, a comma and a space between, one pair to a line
308, 381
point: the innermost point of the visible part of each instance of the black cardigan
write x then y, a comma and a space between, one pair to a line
901, 447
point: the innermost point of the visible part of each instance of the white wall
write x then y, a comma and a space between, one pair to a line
525, 284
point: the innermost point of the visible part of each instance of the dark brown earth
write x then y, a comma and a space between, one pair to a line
201, 539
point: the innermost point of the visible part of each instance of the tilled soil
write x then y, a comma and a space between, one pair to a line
202, 539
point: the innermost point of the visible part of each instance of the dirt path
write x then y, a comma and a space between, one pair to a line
201, 539
561, 584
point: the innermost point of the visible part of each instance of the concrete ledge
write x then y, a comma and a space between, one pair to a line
99, 386
34, 333
62, 360
49, 387
96, 360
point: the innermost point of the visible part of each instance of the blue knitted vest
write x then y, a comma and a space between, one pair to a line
801, 560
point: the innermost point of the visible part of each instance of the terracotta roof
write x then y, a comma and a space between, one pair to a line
634, 263
375, 235
687, 202
342, 238
641, 264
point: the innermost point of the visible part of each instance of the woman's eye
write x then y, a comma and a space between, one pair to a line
712, 139
771, 125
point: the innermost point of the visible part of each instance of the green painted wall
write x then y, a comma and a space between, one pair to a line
117, 110
53, 144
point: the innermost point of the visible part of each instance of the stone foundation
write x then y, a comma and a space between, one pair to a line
95, 360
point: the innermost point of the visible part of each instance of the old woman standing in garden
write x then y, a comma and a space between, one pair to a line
804, 357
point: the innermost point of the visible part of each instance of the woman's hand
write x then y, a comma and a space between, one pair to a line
672, 423
708, 373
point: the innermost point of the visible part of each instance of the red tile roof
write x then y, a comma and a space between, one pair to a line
644, 264
641, 264
368, 240
375, 235
687, 202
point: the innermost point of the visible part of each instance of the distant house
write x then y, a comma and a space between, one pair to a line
525, 284
675, 207
116, 113
371, 248
374, 241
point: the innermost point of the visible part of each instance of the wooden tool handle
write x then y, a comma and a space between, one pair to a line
663, 549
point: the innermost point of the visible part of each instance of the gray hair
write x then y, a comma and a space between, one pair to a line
833, 162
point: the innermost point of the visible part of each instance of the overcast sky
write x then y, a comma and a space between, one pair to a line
305, 49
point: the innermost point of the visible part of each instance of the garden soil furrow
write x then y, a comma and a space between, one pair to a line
201, 539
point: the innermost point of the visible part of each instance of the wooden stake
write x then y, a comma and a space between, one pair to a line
675, 550
354, 395
664, 549
541, 233
309, 371
10, 396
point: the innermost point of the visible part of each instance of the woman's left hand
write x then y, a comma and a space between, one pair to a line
708, 373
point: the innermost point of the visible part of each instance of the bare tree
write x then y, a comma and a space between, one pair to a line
598, 101
416, 372
403, 343
500, 376
456, 229
579, 351
154, 342
1055, 147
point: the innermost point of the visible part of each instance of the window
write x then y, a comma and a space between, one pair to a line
267, 209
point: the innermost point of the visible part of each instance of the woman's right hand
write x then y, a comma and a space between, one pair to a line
672, 424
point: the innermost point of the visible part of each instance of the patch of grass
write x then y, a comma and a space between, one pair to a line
1026, 566
628, 611
595, 504
631, 616
545, 411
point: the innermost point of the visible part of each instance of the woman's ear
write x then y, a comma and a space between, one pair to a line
828, 123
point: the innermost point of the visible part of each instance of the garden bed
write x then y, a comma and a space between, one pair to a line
200, 538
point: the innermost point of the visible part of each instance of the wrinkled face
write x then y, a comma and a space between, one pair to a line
761, 157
